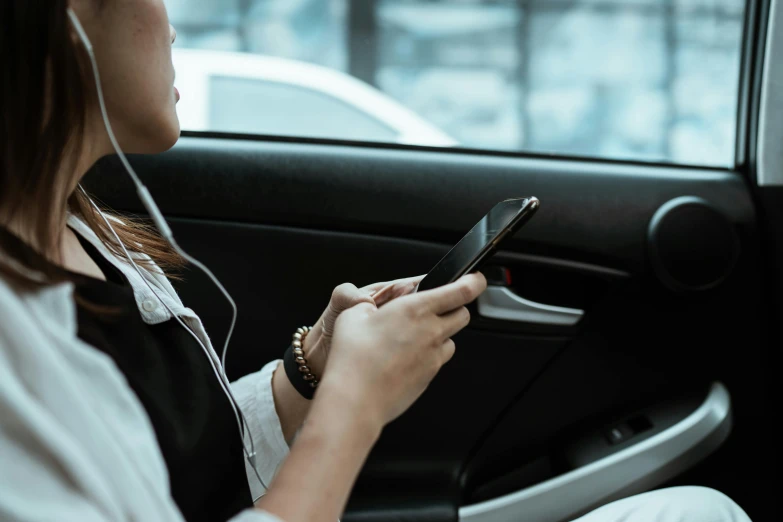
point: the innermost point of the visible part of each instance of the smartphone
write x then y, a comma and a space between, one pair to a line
481, 242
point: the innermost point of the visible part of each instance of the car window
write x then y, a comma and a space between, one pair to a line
265, 107
649, 80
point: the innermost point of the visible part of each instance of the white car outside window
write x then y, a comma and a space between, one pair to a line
245, 93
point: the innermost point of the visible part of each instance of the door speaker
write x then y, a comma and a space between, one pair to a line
692, 245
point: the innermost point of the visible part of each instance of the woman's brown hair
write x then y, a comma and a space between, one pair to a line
44, 99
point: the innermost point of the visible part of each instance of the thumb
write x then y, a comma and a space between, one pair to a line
347, 296
344, 297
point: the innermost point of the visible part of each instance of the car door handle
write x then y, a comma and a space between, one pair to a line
499, 302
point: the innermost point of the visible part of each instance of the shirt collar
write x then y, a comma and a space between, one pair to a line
150, 303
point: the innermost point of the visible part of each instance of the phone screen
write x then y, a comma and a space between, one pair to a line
464, 254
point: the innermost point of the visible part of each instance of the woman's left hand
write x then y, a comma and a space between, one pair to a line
318, 341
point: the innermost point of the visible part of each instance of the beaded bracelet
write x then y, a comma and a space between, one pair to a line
301, 376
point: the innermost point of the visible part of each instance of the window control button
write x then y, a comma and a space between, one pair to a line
618, 433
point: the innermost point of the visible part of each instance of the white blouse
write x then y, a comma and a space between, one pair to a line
75, 442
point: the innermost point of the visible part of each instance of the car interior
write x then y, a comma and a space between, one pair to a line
629, 340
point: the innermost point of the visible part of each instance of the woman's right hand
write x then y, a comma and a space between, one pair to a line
382, 359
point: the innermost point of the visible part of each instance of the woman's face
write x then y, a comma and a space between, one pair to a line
132, 44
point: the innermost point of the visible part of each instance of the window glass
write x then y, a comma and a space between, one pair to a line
650, 80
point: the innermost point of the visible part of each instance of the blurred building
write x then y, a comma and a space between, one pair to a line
626, 79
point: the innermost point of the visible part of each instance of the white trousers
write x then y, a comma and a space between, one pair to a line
681, 504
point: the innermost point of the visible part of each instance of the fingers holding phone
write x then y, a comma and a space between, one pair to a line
445, 299
383, 359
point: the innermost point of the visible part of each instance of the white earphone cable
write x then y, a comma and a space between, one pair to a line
222, 379
165, 231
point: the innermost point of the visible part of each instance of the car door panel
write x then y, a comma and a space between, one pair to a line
584, 473
281, 223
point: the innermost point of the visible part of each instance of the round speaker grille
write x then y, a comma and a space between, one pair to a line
693, 246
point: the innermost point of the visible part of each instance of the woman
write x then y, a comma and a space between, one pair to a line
110, 409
